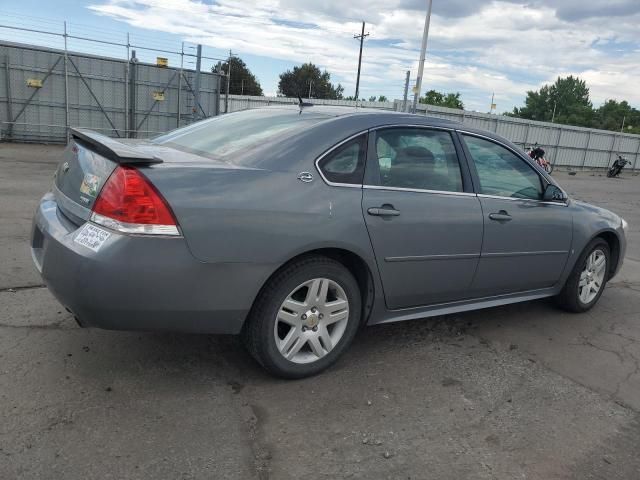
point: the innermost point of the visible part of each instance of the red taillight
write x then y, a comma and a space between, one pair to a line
129, 198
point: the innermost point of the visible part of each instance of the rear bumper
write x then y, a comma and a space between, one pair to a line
140, 282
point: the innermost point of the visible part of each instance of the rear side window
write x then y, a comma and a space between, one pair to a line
225, 136
502, 172
417, 158
345, 164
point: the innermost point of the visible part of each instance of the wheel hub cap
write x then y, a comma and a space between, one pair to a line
313, 318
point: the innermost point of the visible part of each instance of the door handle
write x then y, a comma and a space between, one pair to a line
384, 211
501, 216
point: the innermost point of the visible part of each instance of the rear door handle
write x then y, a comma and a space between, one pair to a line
501, 216
384, 211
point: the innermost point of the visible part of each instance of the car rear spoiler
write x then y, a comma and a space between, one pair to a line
113, 149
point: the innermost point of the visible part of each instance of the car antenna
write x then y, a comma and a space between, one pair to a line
302, 104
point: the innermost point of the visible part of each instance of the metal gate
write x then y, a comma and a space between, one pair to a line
44, 91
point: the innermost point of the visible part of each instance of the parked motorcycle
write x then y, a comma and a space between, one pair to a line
617, 166
538, 154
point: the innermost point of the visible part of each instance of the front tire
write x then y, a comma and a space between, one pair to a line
588, 278
304, 318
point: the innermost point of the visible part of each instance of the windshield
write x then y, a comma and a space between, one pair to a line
229, 134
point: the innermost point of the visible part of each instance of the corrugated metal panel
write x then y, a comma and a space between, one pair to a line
100, 104
97, 95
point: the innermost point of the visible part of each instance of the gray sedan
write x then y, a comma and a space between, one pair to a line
294, 227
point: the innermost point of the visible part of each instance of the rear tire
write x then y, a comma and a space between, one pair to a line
588, 274
304, 318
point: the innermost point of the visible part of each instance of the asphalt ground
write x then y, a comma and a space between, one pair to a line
522, 391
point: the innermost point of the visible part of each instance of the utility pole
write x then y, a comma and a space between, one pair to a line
553, 115
406, 91
196, 84
242, 87
423, 50
310, 84
622, 127
360, 37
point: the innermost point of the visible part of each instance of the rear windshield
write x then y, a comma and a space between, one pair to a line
230, 134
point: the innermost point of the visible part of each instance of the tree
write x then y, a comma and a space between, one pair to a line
451, 100
382, 98
242, 82
612, 114
568, 97
297, 82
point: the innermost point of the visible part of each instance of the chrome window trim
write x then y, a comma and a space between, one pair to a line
331, 150
418, 190
515, 199
413, 125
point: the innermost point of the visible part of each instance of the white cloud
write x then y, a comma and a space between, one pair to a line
477, 48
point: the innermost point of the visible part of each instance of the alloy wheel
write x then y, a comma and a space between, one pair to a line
311, 320
592, 277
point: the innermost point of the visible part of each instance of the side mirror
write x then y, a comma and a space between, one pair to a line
553, 194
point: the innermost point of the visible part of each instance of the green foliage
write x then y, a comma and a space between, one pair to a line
611, 114
372, 98
243, 82
450, 100
570, 97
294, 83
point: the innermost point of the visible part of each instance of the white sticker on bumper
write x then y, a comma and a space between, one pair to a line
92, 237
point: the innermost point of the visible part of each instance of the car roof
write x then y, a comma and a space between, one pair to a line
371, 116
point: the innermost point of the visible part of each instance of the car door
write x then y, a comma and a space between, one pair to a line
424, 221
526, 240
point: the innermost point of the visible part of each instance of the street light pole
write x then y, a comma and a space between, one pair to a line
423, 51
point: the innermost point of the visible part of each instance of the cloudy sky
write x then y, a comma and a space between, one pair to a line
475, 47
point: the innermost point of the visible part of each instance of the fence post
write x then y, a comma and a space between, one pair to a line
635, 162
526, 136
586, 151
555, 156
132, 94
613, 144
196, 84
9, 106
180, 85
66, 85
126, 91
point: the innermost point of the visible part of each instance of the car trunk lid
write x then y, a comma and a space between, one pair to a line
87, 163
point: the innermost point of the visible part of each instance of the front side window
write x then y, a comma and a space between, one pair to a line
501, 172
416, 158
345, 164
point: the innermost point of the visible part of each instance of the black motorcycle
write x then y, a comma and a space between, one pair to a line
617, 166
